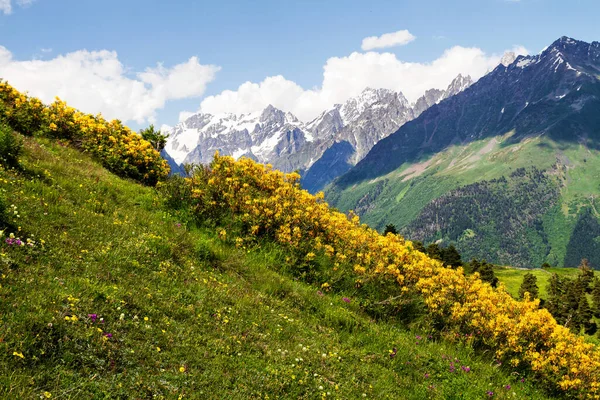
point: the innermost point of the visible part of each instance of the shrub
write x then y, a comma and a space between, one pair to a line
10, 147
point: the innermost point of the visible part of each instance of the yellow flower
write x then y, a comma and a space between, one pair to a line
18, 354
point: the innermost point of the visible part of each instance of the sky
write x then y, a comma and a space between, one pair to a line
159, 61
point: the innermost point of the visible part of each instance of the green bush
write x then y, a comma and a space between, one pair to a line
10, 147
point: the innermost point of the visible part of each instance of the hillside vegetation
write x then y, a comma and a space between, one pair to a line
235, 283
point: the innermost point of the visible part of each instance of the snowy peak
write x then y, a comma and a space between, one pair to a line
508, 58
457, 85
255, 135
352, 109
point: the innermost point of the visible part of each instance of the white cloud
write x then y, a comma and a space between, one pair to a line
399, 38
183, 115
344, 77
6, 5
96, 81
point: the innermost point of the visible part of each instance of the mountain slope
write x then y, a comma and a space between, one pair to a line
121, 297
539, 111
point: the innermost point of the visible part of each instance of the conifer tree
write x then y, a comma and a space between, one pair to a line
486, 273
596, 298
530, 286
584, 313
390, 228
555, 296
451, 257
586, 274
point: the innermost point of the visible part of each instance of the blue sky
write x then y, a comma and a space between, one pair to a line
250, 41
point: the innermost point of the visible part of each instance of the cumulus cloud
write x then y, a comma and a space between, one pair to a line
344, 77
398, 38
96, 81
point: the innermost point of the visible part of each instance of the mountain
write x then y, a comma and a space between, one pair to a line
366, 120
476, 158
321, 150
268, 136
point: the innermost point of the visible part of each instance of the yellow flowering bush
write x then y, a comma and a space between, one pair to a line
23, 113
121, 151
265, 203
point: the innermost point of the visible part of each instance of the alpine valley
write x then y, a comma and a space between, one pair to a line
507, 170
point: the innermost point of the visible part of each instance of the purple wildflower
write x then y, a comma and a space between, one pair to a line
507, 387
490, 393
466, 369
108, 335
426, 376
93, 317
319, 293
347, 300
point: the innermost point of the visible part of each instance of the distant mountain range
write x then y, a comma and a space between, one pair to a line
508, 169
321, 150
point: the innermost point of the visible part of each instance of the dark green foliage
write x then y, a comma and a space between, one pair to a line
530, 286
586, 274
546, 265
596, 298
434, 251
390, 228
583, 241
418, 245
451, 256
482, 218
10, 147
155, 137
555, 294
486, 271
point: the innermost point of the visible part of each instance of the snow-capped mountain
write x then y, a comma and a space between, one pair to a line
279, 138
262, 136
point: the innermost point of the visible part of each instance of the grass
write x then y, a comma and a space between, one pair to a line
123, 298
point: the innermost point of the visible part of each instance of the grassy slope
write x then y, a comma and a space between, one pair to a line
190, 316
404, 194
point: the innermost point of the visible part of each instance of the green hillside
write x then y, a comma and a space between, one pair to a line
121, 297
521, 203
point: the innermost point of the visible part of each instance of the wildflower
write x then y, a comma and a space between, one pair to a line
182, 369
47, 395
93, 317
345, 299
108, 335
18, 354
319, 293
507, 387
490, 393
466, 369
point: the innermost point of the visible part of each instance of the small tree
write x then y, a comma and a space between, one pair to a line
434, 251
157, 139
546, 266
451, 257
530, 286
390, 228
555, 295
586, 274
486, 273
